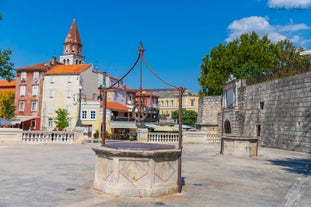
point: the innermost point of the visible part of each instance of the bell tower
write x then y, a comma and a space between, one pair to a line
72, 47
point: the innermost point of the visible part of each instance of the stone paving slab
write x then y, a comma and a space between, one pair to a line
62, 175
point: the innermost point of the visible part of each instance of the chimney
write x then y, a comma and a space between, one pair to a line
53, 62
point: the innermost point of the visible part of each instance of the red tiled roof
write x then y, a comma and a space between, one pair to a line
68, 69
115, 106
7, 84
146, 94
40, 66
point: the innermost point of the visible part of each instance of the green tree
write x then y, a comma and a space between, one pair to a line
7, 107
62, 120
6, 67
188, 117
247, 57
291, 62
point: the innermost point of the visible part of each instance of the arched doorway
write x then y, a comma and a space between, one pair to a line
227, 127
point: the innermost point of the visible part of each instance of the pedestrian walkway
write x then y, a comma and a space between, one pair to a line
62, 175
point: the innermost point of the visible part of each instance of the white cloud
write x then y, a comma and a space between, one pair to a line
262, 27
289, 4
293, 27
295, 39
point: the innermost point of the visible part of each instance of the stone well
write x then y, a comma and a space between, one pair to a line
239, 146
136, 169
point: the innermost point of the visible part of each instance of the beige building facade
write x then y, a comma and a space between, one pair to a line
61, 90
168, 102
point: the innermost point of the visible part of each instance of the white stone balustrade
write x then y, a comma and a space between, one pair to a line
162, 137
213, 138
48, 137
188, 137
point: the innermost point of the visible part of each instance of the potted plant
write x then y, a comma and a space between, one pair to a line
96, 134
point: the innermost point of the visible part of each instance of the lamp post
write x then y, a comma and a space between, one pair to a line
79, 123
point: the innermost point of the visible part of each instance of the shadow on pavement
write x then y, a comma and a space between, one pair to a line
294, 165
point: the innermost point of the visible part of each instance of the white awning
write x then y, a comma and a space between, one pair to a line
20, 119
152, 126
123, 125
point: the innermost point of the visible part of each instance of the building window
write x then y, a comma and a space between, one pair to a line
22, 91
166, 103
192, 102
258, 130
68, 93
32, 124
50, 109
172, 103
68, 109
34, 106
93, 115
262, 105
52, 79
52, 93
23, 76
50, 122
21, 106
69, 79
83, 114
35, 90
35, 76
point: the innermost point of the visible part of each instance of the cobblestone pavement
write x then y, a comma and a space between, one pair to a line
62, 175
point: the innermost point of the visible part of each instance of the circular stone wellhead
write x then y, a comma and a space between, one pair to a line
136, 169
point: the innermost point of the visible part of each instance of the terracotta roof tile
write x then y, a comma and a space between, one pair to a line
73, 34
7, 84
147, 94
115, 106
39, 66
68, 69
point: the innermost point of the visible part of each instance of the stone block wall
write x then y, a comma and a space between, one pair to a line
209, 107
284, 112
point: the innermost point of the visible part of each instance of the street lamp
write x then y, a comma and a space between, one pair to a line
79, 123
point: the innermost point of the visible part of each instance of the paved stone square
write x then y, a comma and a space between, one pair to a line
62, 175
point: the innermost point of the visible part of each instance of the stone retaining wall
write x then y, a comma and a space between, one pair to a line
209, 107
10, 135
285, 112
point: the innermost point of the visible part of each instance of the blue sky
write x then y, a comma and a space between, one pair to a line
176, 34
